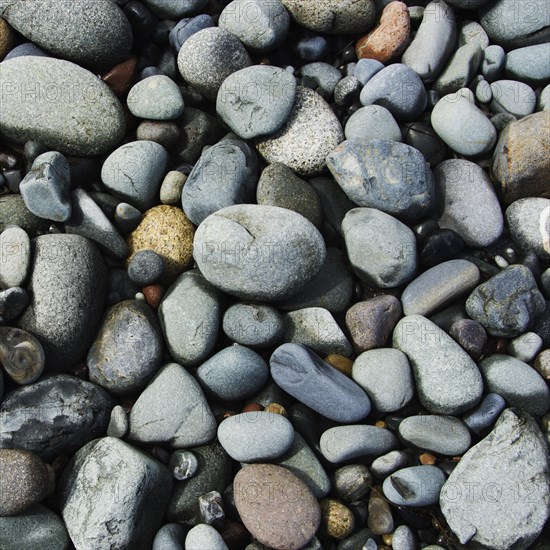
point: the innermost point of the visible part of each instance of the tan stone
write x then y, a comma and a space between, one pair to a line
337, 520
6, 38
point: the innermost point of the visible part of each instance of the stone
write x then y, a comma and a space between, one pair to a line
187, 27
21, 354
183, 464
380, 519
471, 32
13, 301
346, 90
422, 136
280, 511
337, 520
542, 364
414, 486
347, 443
372, 122
118, 423
233, 374
525, 347
16, 257
47, 417
163, 132
204, 536
167, 231
6, 38
320, 76
353, 482
527, 65
67, 287
126, 480
145, 268
120, 77
155, 98
447, 380
386, 262
45, 188
390, 38
14, 212
281, 245
170, 536
492, 65
512, 97
315, 383
460, 70
334, 202
481, 419
386, 376
387, 175
168, 9
520, 162
529, 223
171, 188
388, 463
508, 303
80, 117
470, 335
253, 324
508, 475
365, 69
208, 57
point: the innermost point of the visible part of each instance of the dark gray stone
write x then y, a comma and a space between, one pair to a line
170, 9
322, 75
481, 419
13, 302
187, 27
14, 212
460, 70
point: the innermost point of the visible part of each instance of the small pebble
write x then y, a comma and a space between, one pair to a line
118, 424
337, 520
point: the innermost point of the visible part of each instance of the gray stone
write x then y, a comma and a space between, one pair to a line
322, 76
171, 536
69, 110
414, 486
255, 436
95, 34
155, 98
15, 258
125, 481
468, 202
174, 9
403, 538
127, 350
346, 443
334, 201
204, 536
484, 94
467, 4
67, 287
118, 424
310, 133
258, 252
233, 374
48, 418
439, 286
25, 49
447, 379
387, 261
346, 91
13, 301
372, 122
508, 500
471, 32
14, 212
460, 69
399, 89
186, 28
315, 383
183, 464
253, 324
481, 419
525, 347
529, 64
493, 62
444, 435
260, 26
172, 409
134, 172
502, 373
543, 102
45, 188
462, 126
386, 464
529, 223
208, 57
256, 101
507, 303
365, 69
513, 97
390, 176
145, 267
171, 187
433, 43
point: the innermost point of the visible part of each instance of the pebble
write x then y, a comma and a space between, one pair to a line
470, 335
525, 347
67, 286
26, 49
118, 424
278, 243
460, 70
346, 90
527, 65
372, 122
204, 536
399, 89
208, 57
447, 380
127, 350
170, 536
313, 382
170, 9
390, 38
120, 77
309, 134
481, 419
529, 224
334, 201
414, 486
25, 481
21, 355
542, 364
469, 204
145, 268
156, 98
322, 76
187, 27
380, 519
366, 68
13, 302
388, 463
346, 443
512, 97
484, 94
433, 43
337, 520
253, 324
134, 172
387, 175
471, 32
386, 376
50, 117
492, 66
47, 417
140, 483
6, 38
233, 374
16, 257
353, 482
439, 286
14, 212
259, 26
370, 323
403, 538
312, 48
421, 136
507, 303
462, 126
507, 476
172, 409
275, 506
171, 188
127, 217
386, 263
183, 464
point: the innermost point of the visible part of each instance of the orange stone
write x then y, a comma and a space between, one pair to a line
341, 363
153, 295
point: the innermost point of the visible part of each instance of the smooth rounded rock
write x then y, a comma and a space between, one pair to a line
460, 70
16, 257
155, 98
372, 122
145, 268
513, 97
204, 536
253, 324
529, 223
170, 536
481, 419
414, 486
528, 65
21, 355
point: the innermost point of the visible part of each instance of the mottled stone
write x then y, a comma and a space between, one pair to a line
414, 486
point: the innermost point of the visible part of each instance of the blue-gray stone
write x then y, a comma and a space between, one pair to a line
387, 175
398, 88
372, 122
493, 62
173, 9
388, 463
525, 347
529, 64
414, 486
45, 189
145, 268
26, 49
187, 28
484, 93
508, 303
15, 259
204, 536
513, 97
334, 202
233, 374
127, 217
155, 98
170, 536
118, 423
315, 383
253, 324
471, 32
460, 70
481, 419
322, 75
365, 69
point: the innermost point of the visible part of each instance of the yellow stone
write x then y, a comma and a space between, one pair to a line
6, 38
337, 520
167, 231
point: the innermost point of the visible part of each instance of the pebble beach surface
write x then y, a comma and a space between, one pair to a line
274, 275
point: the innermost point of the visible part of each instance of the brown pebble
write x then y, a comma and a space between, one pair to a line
337, 521
387, 539
153, 295
542, 364
380, 520
252, 407
277, 409
275, 506
390, 38
121, 77
341, 363
427, 459
6, 38
381, 424
166, 133
470, 335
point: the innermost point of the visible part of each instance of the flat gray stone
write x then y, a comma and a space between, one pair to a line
386, 464
156, 98
15, 259
492, 66
414, 486
529, 223
512, 97
372, 122
526, 346
481, 419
